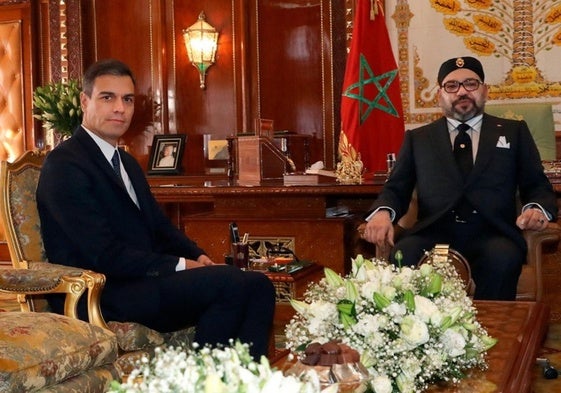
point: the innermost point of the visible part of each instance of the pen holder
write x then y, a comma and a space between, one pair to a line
240, 252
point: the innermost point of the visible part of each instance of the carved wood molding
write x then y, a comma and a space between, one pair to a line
64, 47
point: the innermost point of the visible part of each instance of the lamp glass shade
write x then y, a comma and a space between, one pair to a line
201, 43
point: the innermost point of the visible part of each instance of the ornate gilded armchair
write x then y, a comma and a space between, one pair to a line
32, 275
82, 355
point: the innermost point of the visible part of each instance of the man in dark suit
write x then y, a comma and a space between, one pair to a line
97, 212
467, 189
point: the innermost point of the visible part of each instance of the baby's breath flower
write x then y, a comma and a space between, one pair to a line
211, 370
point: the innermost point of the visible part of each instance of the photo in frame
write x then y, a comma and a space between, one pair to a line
166, 154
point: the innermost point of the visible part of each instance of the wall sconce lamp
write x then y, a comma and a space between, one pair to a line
201, 42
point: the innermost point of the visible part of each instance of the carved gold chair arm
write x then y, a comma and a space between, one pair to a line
46, 278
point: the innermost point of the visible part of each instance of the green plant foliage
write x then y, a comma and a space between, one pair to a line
57, 105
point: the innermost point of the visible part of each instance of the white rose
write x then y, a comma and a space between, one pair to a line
454, 343
279, 383
427, 311
368, 288
411, 367
405, 384
367, 325
382, 384
405, 274
414, 331
387, 275
374, 274
389, 292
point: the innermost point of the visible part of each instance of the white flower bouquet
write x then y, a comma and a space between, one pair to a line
412, 326
211, 370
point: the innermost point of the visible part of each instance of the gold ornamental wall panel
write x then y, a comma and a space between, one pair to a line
518, 42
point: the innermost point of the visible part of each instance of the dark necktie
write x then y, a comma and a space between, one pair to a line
462, 150
117, 166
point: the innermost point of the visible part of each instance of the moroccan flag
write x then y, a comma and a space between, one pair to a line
371, 109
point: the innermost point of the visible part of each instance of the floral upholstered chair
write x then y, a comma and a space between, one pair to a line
32, 275
45, 352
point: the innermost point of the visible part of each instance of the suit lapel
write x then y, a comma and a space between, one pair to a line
100, 161
97, 156
137, 178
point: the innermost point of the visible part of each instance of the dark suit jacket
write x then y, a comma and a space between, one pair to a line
499, 177
89, 220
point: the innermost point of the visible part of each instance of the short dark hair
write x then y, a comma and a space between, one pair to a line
104, 67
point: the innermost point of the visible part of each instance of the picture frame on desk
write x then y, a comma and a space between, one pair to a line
166, 154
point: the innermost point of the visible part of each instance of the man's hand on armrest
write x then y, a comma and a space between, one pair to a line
532, 218
378, 229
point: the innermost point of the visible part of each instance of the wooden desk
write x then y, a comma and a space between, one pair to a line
520, 328
204, 206
270, 211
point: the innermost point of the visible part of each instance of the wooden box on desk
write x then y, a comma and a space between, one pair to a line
259, 160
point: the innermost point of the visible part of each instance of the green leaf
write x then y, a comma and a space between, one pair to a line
409, 299
347, 313
381, 301
333, 279
57, 105
299, 306
352, 292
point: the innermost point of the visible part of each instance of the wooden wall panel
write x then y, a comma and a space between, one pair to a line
295, 51
195, 111
275, 60
133, 35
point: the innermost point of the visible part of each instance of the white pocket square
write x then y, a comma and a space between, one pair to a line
502, 143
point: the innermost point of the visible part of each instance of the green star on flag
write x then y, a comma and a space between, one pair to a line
366, 76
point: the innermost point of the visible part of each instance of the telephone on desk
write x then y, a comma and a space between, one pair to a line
291, 267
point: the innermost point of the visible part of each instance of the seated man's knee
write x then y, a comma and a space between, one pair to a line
259, 284
502, 257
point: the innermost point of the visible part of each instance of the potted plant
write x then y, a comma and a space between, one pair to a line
57, 105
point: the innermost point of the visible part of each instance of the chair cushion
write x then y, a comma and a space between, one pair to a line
133, 336
538, 116
97, 379
137, 341
42, 349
